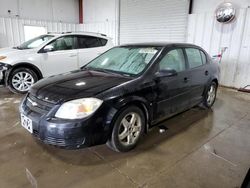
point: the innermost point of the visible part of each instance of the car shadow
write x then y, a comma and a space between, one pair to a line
102, 154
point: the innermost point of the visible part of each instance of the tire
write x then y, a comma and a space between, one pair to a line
21, 79
210, 95
134, 131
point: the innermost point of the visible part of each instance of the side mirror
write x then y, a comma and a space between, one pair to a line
48, 48
166, 73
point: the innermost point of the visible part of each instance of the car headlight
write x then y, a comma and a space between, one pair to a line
2, 57
78, 109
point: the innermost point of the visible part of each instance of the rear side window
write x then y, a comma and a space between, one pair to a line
194, 57
204, 57
103, 41
90, 42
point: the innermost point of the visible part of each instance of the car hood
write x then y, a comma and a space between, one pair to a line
74, 85
12, 53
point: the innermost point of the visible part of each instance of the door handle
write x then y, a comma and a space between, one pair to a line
186, 79
206, 73
73, 55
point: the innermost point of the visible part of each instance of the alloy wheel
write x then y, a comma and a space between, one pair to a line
130, 129
22, 81
211, 94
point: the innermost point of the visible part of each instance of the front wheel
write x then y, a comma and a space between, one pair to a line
210, 95
128, 128
20, 80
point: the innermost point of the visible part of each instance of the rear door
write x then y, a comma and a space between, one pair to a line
90, 47
198, 68
173, 92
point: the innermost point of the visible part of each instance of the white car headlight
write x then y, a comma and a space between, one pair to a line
2, 57
79, 108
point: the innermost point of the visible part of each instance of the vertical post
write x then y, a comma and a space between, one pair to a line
190, 7
118, 6
80, 11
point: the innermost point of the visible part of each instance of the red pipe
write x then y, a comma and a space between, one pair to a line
80, 12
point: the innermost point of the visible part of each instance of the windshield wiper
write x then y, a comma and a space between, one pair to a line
18, 47
97, 69
105, 71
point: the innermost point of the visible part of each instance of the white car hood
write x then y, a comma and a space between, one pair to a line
5, 51
13, 54
13, 51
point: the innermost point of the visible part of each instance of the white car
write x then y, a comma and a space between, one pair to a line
47, 55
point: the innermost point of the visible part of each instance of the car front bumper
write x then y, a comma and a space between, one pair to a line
65, 133
3, 69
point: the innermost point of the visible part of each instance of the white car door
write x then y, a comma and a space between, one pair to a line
59, 56
89, 48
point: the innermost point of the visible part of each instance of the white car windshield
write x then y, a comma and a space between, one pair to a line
35, 42
125, 60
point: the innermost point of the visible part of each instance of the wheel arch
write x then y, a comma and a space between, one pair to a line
216, 81
25, 65
138, 102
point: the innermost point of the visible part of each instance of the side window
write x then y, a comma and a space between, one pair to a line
90, 42
204, 57
63, 43
174, 59
194, 57
103, 41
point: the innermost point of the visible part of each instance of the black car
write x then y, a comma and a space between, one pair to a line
120, 95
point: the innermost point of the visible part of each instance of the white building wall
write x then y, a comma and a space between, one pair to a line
205, 31
99, 11
202, 6
101, 16
12, 29
52, 10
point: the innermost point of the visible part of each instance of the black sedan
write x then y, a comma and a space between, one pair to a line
120, 95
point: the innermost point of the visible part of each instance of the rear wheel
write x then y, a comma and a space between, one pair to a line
210, 95
20, 80
128, 128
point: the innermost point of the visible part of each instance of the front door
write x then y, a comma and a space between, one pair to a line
173, 92
63, 57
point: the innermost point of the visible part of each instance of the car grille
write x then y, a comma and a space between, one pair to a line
61, 142
39, 106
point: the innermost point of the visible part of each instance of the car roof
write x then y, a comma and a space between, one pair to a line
159, 44
79, 33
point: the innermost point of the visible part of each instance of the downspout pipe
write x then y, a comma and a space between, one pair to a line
190, 11
80, 11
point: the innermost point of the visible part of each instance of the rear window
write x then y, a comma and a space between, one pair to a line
90, 42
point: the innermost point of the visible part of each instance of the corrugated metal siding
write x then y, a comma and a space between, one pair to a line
205, 31
153, 20
12, 30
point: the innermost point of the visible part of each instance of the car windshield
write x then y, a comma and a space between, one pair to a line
124, 60
35, 42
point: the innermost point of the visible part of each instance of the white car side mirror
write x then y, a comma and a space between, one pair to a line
48, 48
